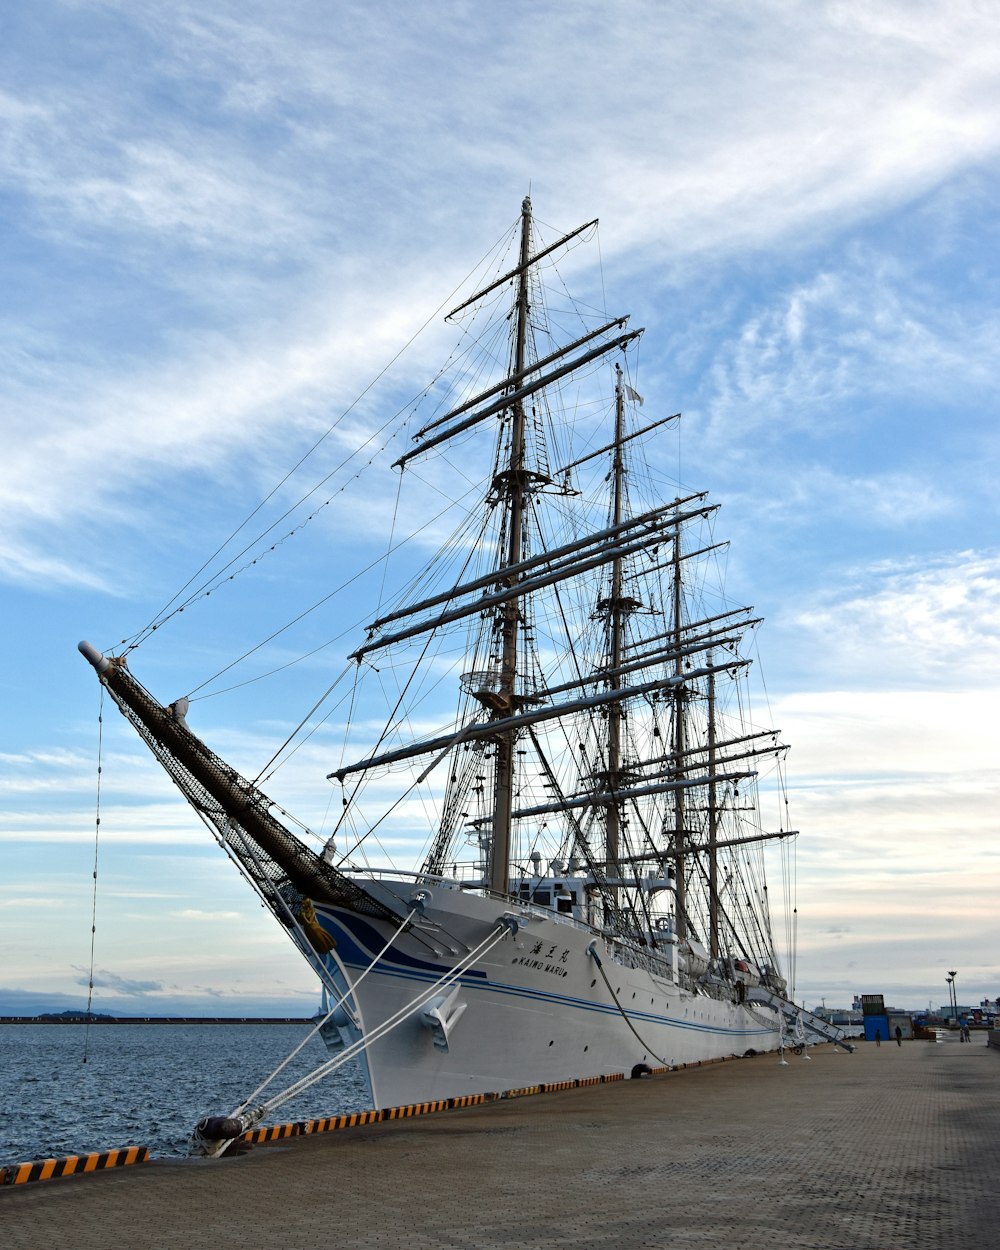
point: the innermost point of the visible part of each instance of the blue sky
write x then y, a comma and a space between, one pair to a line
221, 220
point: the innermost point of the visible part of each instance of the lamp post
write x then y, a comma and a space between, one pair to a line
953, 995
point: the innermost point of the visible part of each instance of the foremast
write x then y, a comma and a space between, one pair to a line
512, 483
517, 574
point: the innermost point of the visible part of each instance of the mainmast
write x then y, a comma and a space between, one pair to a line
616, 607
513, 483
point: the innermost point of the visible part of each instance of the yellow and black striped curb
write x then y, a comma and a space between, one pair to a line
695, 1063
304, 1128
50, 1169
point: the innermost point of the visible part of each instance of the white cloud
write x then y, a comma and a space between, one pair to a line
882, 732
105, 980
774, 152
193, 913
34, 903
927, 623
850, 337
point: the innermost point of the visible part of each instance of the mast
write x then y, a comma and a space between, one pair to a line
679, 745
514, 483
713, 823
615, 607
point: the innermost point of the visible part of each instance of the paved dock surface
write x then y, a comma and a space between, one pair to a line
891, 1148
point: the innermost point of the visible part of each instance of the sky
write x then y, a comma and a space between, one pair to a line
220, 221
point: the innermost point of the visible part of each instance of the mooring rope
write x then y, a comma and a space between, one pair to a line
496, 935
248, 1101
624, 1014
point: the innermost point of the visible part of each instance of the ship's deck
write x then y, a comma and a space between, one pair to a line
890, 1148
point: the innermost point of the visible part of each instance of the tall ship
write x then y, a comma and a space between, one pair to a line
564, 730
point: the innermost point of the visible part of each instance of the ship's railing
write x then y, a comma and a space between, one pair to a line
628, 955
470, 876
512, 903
624, 952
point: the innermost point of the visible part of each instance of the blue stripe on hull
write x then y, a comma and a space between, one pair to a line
418, 971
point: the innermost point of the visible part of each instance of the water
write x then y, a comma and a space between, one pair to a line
148, 1084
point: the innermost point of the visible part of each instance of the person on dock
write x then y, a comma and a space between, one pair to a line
878, 1037
899, 1036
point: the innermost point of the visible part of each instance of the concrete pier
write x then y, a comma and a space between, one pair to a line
891, 1148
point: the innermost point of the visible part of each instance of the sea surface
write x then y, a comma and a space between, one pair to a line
147, 1084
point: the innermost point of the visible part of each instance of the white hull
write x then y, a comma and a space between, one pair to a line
533, 1009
